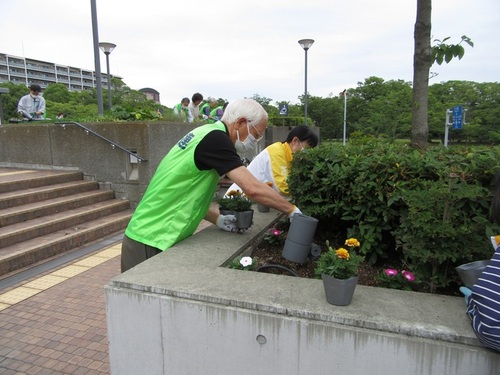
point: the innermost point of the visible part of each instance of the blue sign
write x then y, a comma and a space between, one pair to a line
283, 109
457, 117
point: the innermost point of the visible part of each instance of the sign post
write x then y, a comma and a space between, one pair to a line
454, 118
283, 108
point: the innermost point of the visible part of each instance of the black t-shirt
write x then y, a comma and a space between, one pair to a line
216, 151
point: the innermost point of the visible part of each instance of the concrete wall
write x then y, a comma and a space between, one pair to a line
47, 146
182, 313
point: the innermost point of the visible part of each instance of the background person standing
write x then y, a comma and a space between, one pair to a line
194, 107
32, 106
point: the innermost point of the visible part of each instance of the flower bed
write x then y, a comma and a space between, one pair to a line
379, 275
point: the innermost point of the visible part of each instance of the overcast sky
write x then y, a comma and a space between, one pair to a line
232, 49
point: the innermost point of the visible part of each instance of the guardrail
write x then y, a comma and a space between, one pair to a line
113, 144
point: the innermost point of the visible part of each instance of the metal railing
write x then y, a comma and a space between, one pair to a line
113, 144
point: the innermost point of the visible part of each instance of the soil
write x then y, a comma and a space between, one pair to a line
268, 256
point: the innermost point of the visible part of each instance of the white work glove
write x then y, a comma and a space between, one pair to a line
227, 223
205, 117
294, 212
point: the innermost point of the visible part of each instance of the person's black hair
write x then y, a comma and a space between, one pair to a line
495, 202
197, 97
35, 88
185, 99
304, 134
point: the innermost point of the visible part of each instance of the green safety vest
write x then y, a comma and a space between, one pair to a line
202, 108
178, 196
213, 113
180, 110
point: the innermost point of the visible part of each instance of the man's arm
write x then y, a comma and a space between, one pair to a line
259, 191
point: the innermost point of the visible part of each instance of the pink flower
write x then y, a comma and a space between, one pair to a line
408, 275
390, 272
275, 232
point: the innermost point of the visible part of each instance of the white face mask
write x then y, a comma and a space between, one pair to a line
248, 144
34, 96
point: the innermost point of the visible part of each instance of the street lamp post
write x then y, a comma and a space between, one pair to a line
345, 116
97, 62
306, 44
107, 48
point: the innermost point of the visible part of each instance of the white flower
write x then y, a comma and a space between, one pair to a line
246, 261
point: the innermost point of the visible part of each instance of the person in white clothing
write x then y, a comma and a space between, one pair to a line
32, 106
272, 164
194, 107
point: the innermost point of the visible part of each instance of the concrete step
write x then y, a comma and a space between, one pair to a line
32, 251
44, 213
17, 180
42, 193
19, 214
42, 226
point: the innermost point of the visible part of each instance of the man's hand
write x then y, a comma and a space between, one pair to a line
294, 212
227, 223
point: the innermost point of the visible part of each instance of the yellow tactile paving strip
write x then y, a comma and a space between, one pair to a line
45, 282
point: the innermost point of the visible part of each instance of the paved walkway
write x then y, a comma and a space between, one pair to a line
55, 323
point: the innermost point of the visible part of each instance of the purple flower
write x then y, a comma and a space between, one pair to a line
408, 275
390, 272
276, 232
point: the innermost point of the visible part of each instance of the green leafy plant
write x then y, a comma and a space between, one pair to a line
275, 237
339, 263
244, 263
393, 279
401, 201
446, 52
234, 200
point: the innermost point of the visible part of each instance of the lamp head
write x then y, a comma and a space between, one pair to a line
306, 43
106, 47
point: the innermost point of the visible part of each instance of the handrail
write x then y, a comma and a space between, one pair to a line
113, 144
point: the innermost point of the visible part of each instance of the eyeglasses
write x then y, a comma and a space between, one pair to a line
258, 132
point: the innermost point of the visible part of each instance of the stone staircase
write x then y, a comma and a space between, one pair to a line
45, 213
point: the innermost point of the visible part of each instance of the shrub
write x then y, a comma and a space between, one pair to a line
428, 208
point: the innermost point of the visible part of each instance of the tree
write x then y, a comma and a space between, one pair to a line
422, 61
423, 58
11, 99
57, 92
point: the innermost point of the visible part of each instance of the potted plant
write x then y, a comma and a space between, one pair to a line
236, 203
338, 268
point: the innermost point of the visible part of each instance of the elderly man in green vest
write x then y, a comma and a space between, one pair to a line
180, 193
207, 107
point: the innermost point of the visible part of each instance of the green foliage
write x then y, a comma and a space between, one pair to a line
11, 99
244, 263
376, 108
446, 52
393, 279
234, 200
128, 104
439, 221
428, 208
286, 121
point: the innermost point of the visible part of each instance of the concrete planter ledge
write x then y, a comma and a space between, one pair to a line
183, 313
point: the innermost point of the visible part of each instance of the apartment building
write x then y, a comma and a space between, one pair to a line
20, 70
